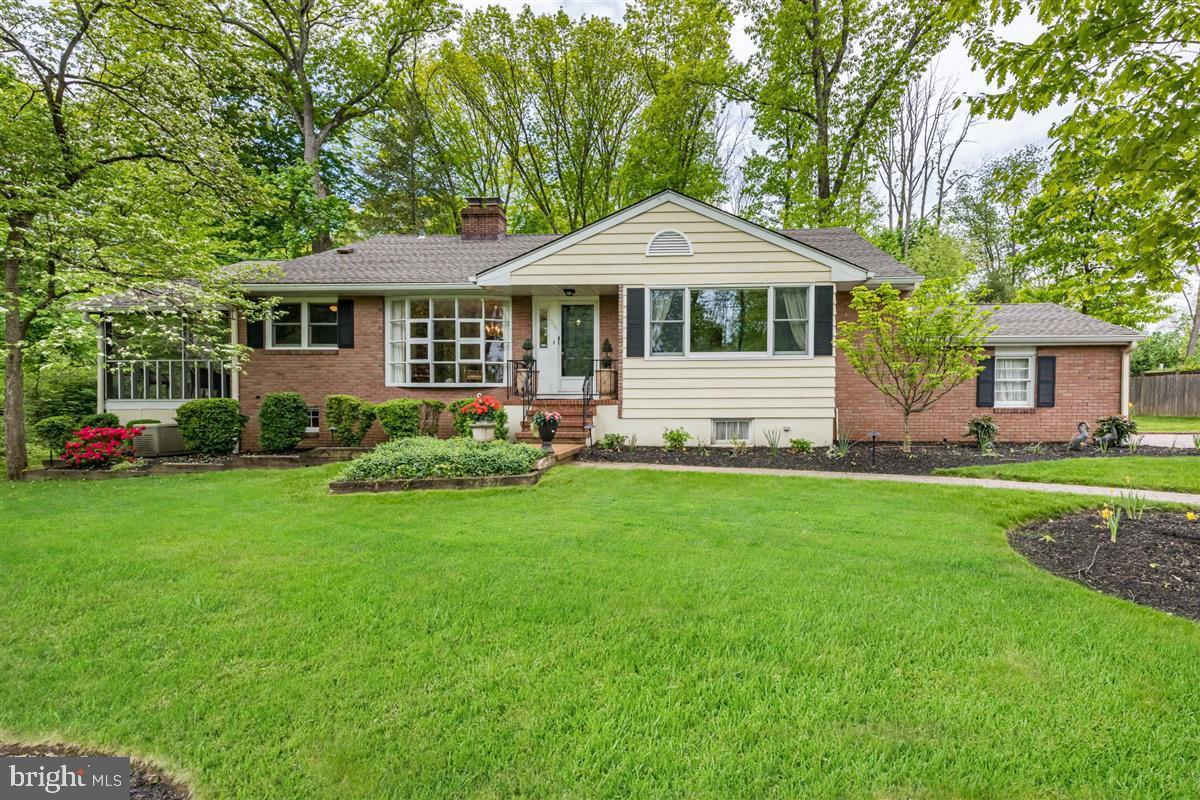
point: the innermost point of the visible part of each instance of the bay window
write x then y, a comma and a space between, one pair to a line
721, 321
305, 324
447, 340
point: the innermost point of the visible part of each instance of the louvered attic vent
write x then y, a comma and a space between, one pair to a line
669, 243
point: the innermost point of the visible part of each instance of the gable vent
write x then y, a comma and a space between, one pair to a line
669, 243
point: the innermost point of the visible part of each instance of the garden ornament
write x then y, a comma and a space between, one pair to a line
1081, 439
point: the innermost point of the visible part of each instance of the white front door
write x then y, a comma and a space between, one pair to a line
566, 332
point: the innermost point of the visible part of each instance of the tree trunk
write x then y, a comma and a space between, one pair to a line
312, 156
906, 445
15, 457
1191, 345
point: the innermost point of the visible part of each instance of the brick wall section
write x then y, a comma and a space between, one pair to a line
316, 374
360, 370
1087, 386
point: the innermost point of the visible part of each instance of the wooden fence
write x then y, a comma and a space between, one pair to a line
1166, 394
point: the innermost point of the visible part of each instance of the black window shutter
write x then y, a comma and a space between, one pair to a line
985, 384
345, 323
1045, 381
254, 333
823, 322
635, 323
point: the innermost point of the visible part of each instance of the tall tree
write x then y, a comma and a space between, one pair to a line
327, 62
916, 161
113, 160
986, 210
1132, 72
561, 97
825, 83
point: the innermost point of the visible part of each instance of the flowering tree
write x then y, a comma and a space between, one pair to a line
914, 349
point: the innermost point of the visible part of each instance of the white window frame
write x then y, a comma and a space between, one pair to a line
727, 420
1014, 354
390, 341
314, 411
304, 303
687, 323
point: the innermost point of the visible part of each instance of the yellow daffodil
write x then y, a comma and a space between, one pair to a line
1191, 516
1106, 513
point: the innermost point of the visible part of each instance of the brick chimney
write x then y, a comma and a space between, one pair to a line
483, 219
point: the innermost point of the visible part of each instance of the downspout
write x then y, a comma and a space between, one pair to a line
1125, 379
236, 370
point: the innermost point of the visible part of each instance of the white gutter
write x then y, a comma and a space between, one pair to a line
1065, 340
356, 288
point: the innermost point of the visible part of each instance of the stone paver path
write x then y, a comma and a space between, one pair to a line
940, 480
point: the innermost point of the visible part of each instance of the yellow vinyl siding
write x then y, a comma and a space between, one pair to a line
723, 255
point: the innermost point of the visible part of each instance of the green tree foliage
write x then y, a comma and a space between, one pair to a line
587, 115
986, 211
1066, 233
324, 64
1162, 349
115, 163
1130, 71
940, 256
914, 349
825, 84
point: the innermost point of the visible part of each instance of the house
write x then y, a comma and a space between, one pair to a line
669, 313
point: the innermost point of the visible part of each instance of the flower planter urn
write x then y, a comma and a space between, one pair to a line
546, 431
483, 431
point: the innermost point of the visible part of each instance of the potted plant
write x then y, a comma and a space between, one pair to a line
546, 424
606, 380
482, 410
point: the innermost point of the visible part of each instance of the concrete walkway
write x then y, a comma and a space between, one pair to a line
939, 480
1180, 441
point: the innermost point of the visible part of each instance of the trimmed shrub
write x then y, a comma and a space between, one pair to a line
431, 416
349, 418
104, 419
54, 432
425, 457
463, 421
282, 420
211, 426
144, 421
400, 418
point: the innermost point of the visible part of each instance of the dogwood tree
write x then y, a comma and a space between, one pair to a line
914, 349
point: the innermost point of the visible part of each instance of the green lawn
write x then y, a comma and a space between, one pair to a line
1169, 474
604, 634
1168, 424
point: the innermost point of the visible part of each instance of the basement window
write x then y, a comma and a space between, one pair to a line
727, 430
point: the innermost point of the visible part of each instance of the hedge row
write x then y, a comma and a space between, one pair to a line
426, 457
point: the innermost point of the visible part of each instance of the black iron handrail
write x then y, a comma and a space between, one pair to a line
523, 383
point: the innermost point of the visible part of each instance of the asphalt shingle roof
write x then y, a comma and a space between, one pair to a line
391, 258
848, 245
1050, 320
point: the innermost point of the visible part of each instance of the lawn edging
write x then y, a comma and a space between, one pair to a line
419, 484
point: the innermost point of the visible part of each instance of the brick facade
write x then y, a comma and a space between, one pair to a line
360, 370
1087, 386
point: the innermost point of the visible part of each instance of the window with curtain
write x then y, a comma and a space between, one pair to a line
666, 322
791, 319
1014, 382
447, 340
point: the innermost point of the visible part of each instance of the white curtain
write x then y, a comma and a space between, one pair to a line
1012, 380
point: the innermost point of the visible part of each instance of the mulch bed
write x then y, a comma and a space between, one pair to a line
147, 782
889, 458
1155, 560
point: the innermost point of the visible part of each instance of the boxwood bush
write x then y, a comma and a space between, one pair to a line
400, 418
349, 418
211, 425
105, 419
426, 457
54, 432
282, 420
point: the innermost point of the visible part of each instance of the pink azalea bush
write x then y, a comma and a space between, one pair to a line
97, 447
